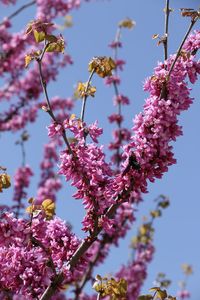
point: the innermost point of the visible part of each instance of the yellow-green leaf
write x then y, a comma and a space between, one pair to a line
58, 46
49, 208
145, 297
39, 36
127, 23
162, 294
68, 21
5, 181
156, 213
31, 200
154, 289
51, 38
187, 269
155, 36
28, 59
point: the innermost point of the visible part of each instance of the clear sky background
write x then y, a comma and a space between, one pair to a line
177, 232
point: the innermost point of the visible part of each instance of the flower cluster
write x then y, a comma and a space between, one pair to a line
135, 272
25, 87
77, 127
33, 252
31, 264
89, 173
50, 182
192, 44
156, 127
120, 135
21, 181
49, 9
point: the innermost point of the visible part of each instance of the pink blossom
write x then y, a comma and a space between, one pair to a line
21, 181
121, 99
115, 44
135, 272
49, 183
157, 127
183, 294
115, 118
89, 173
192, 43
114, 79
6, 2
48, 9
94, 131
120, 64
24, 264
55, 129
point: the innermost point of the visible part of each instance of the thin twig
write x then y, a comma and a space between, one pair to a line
99, 296
23, 154
165, 42
193, 21
117, 39
19, 205
119, 106
49, 108
19, 10
165, 45
86, 96
163, 94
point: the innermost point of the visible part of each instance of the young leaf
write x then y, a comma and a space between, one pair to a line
39, 36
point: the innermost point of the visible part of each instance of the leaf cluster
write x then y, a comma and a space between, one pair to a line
115, 289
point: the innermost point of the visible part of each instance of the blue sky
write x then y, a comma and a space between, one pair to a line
176, 238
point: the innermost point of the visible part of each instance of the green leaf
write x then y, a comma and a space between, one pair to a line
154, 289
162, 294
56, 47
39, 36
51, 38
164, 203
156, 213
28, 59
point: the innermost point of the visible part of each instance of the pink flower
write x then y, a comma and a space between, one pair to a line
115, 118
184, 294
94, 131
115, 44
49, 183
121, 99
21, 181
55, 129
114, 79
120, 64
24, 263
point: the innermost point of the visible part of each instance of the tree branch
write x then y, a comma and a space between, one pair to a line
86, 96
85, 245
163, 94
193, 21
165, 41
49, 108
19, 10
